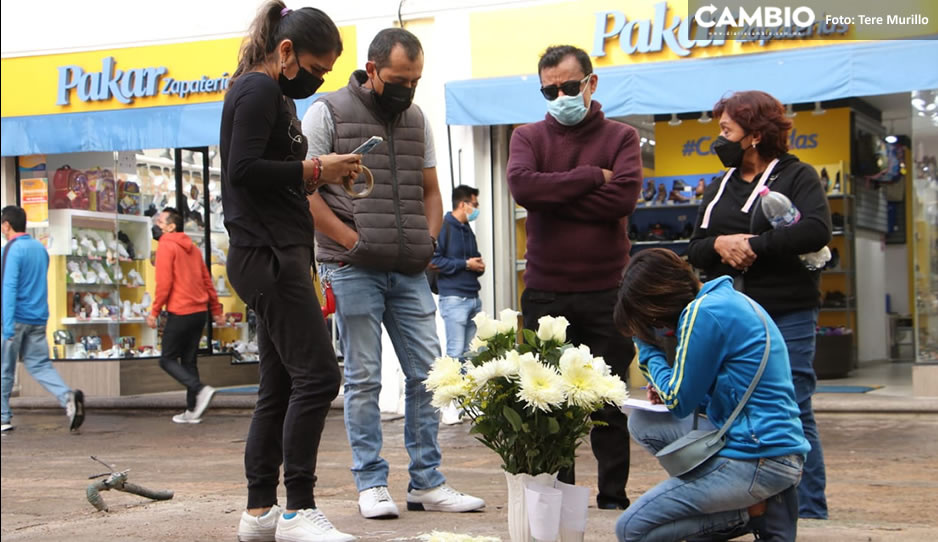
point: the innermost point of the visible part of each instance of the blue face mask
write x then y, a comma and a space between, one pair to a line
568, 110
474, 214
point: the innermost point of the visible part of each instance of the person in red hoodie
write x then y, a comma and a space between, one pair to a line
184, 287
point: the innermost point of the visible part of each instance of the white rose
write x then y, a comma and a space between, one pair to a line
509, 318
486, 328
552, 329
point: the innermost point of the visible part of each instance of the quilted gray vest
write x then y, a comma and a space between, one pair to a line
391, 225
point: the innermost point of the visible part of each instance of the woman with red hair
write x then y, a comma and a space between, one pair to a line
733, 237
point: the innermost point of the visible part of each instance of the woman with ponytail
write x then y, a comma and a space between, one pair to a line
265, 184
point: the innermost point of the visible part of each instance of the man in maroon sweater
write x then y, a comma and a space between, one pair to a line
579, 175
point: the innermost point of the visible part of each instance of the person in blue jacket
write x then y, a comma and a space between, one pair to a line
25, 264
749, 484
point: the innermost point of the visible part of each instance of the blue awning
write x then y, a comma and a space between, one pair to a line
193, 125
793, 76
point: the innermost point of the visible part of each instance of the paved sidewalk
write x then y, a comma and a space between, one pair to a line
882, 469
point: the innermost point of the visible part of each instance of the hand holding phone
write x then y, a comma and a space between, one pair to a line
368, 145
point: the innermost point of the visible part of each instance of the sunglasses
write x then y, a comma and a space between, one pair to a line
569, 88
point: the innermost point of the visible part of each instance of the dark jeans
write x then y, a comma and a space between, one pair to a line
180, 351
590, 317
799, 330
299, 376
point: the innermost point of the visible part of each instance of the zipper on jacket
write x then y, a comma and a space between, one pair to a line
395, 196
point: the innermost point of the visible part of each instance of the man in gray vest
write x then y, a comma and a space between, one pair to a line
374, 252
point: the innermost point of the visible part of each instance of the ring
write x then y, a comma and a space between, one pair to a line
349, 185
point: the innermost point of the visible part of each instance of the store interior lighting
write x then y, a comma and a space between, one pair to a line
790, 111
704, 117
890, 139
818, 110
925, 104
674, 120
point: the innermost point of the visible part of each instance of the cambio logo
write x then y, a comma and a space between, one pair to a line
769, 16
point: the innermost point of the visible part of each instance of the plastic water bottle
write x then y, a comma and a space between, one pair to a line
781, 213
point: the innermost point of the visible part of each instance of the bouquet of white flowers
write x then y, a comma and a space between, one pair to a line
529, 402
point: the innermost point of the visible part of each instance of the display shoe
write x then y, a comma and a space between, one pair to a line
676, 194
836, 189
662, 194
376, 503
442, 498
834, 262
309, 525
648, 194
258, 528
699, 191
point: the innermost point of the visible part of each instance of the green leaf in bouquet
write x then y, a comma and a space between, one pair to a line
530, 337
553, 426
513, 417
532, 452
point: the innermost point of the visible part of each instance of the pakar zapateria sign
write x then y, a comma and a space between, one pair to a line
127, 85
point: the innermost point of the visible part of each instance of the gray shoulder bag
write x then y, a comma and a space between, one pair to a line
690, 451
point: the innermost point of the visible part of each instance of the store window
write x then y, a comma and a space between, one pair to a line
923, 222
94, 211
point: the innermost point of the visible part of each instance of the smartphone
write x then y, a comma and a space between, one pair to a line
368, 145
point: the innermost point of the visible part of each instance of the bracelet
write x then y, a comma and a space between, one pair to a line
312, 183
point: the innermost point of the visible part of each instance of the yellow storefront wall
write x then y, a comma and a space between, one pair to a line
183, 62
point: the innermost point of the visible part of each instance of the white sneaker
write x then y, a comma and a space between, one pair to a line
7, 426
442, 498
202, 400
451, 414
376, 503
258, 528
187, 417
309, 525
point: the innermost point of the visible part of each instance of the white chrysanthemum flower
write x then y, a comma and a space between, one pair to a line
552, 329
612, 389
575, 357
541, 386
479, 376
445, 371
581, 386
600, 366
486, 328
476, 344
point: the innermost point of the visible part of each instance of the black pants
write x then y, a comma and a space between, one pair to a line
590, 317
180, 351
299, 375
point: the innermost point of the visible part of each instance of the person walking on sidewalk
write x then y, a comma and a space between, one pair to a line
184, 287
460, 264
375, 252
579, 174
25, 265
265, 181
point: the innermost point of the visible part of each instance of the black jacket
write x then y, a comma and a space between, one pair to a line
777, 279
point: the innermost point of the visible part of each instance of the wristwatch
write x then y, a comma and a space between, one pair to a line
467, 266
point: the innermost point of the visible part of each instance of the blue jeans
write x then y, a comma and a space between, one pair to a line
457, 313
365, 299
29, 343
710, 499
799, 328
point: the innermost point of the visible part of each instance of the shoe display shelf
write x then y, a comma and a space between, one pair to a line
836, 341
924, 252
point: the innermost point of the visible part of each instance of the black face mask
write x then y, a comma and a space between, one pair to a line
304, 85
729, 152
395, 98
157, 232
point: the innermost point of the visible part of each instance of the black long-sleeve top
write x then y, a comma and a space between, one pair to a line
262, 148
777, 279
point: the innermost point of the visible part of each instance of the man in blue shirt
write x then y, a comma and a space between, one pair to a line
25, 264
459, 262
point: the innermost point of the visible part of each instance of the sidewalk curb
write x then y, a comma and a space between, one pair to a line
822, 402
